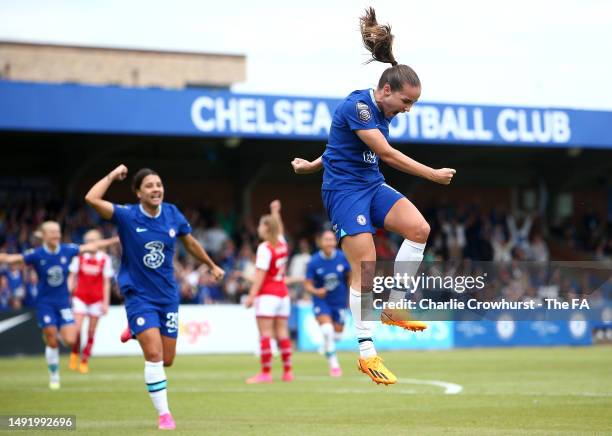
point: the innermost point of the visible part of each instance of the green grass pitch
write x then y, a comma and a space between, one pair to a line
504, 391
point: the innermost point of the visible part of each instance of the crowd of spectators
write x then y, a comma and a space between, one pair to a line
458, 234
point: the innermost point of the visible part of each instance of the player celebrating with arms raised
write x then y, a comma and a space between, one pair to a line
148, 232
270, 295
51, 262
327, 276
354, 191
89, 279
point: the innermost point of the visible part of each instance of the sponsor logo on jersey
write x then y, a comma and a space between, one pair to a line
55, 276
363, 111
155, 257
140, 229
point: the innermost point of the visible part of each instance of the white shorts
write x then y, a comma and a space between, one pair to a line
272, 306
81, 308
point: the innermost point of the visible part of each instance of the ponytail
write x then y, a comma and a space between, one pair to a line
377, 38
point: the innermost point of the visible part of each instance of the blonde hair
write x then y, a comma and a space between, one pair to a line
46, 225
273, 227
93, 233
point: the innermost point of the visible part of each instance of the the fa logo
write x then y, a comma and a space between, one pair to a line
172, 233
361, 220
369, 157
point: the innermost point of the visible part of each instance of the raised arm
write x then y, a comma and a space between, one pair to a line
374, 139
95, 194
98, 245
11, 259
194, 248
302, 166
275, 210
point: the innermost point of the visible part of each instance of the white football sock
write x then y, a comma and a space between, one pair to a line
329, 345
52, 356
363, 329
407, 261
155, 378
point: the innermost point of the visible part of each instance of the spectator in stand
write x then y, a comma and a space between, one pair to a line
297, 268
6, 295
214, 238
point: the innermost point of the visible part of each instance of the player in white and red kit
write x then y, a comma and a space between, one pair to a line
270, 296
92, 273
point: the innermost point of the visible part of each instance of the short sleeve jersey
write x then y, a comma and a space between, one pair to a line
330, 273
348, 162
52, 269
148, 244
273, 260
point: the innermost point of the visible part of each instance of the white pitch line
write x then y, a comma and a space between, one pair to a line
449, 388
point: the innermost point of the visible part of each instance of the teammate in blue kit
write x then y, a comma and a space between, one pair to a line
327, 277
355, 194
53, 309
148, 232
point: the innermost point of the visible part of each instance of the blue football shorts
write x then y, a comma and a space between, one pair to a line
359, 211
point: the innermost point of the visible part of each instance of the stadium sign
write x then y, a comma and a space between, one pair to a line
220, 113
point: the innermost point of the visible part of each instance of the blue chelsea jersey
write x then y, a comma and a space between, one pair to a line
52, 270
348, 162
330, 273
147, 269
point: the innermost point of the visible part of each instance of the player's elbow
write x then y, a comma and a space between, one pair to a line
89, 199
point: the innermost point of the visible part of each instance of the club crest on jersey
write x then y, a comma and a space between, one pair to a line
340, 268
63, 259
172, 233
363, 111
369, 157
361, 220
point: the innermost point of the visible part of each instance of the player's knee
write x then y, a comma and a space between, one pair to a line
154, 355
419, 232
168, 361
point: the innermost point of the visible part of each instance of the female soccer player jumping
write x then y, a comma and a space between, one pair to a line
89, 279
148, 232
270, 295
355, 194
327, 276
51, 262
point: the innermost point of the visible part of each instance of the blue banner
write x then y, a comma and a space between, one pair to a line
507, 332
439, 335
211, 112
